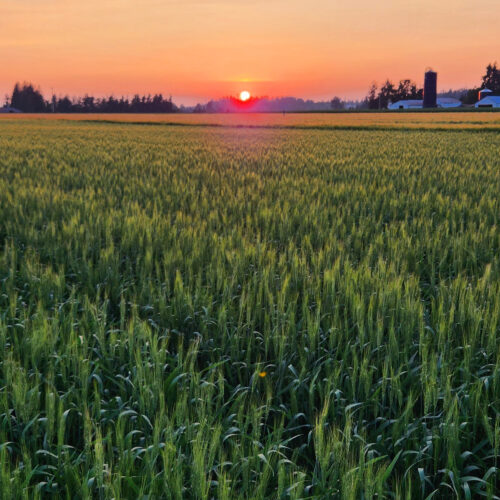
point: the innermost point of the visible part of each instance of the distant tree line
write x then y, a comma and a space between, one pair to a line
379, 98
28, 98
263, 105
337, 104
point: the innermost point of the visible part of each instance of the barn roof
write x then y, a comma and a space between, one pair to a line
415, 102
491, 99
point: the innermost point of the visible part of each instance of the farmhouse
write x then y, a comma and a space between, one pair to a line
491, 101
442, 102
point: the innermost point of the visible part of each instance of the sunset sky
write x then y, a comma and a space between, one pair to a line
201, 49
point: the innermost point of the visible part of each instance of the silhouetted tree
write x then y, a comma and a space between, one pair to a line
199, 108
27, 99
336, 103
387, 94
407, 90
372, 98
88, 104
471, 96
16, 95
64, 105
491, 79
211, 107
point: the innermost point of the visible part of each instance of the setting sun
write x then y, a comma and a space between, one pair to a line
244, 95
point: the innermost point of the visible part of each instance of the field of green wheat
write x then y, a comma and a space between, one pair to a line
248, 313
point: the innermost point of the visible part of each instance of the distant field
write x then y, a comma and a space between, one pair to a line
470, 119
233, 313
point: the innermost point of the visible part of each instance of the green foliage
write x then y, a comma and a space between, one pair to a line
235, 313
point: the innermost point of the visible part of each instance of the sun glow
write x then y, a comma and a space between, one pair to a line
244, 95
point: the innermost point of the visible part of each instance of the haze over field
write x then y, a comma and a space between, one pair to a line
197, 50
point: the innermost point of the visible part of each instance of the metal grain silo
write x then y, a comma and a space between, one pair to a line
430, 89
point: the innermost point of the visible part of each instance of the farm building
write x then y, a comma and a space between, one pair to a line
448, 102
8, 109
484, 93
491, 101
442, 102
406, 104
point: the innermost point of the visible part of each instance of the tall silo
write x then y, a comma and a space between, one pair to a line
430, 89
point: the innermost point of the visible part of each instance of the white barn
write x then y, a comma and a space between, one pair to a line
406, 104
442, 102
492, 101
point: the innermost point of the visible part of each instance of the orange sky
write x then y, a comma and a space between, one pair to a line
199, 49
